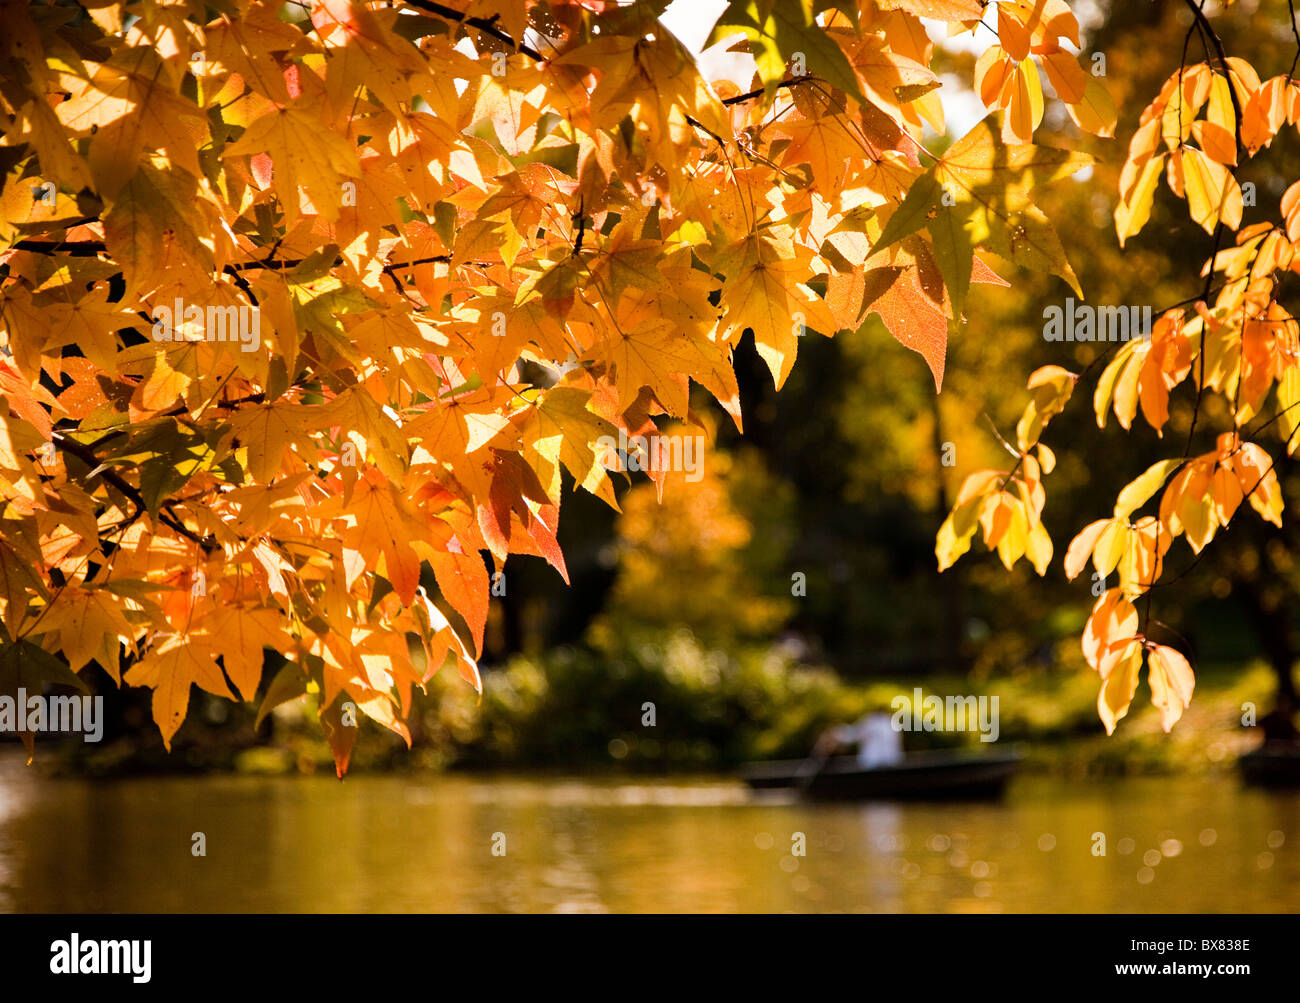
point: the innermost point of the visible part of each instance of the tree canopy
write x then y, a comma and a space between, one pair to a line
300, 299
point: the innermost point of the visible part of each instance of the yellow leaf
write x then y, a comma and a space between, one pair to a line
1012, 543
980, 159
16, 578
1024, 100
767, 297
1081, 547
239, 636
1038, 548
1067, 76
1113, 621
267, 431
955, 534
1133, 211
1212, 192
1052, 386
1138, 491
1096, 112
1119, 685
1171, 680
306, 154
1126, 384
90, 624
1110, 547
950, 544
561, 430
169, 670
1219, 144
1254, 469
1288, 404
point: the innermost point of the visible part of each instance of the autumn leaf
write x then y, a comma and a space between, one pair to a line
1171, 682
463, 582
560, 431
1119, 683
460, 265
305, 156
169, 669
767, 297
777, 30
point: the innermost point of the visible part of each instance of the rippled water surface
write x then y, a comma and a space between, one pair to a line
402, 844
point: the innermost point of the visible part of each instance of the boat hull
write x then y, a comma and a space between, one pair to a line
938, 775
1271, 766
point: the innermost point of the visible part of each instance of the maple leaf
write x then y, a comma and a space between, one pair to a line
239, 637
91, 624
472, 261
559, 430
766, 297
305, 155
909, 296
169, 669
153, 227
17, 579
778, 30
127, 109
647, 349
27, 668
382, 525
267, 432
461, 425
463, 582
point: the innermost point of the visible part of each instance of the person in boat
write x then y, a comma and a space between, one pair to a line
874, 737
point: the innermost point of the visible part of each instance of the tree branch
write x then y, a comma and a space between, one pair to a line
482, 24
759, 92
88, 457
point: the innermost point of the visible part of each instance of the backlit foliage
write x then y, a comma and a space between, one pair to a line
479, 237
1233, 339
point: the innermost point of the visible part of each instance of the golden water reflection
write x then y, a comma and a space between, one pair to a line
406, 844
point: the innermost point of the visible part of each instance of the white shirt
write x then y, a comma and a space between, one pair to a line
877, 741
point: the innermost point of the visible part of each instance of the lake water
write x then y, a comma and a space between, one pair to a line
418, 844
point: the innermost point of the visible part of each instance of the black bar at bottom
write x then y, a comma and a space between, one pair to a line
937, 954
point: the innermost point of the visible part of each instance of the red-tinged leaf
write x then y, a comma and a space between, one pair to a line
463, 582
340, 728
1113, 622
909, 297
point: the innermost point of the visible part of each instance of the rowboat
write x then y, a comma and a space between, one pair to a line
1274, 764
935, 775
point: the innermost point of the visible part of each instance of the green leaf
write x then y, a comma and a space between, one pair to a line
919, 206
30, 667
981, 163
1025, 237
953, 254
289, 684
777, 30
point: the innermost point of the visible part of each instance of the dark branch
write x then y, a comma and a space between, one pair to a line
132, 494
759, 92
483, 25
